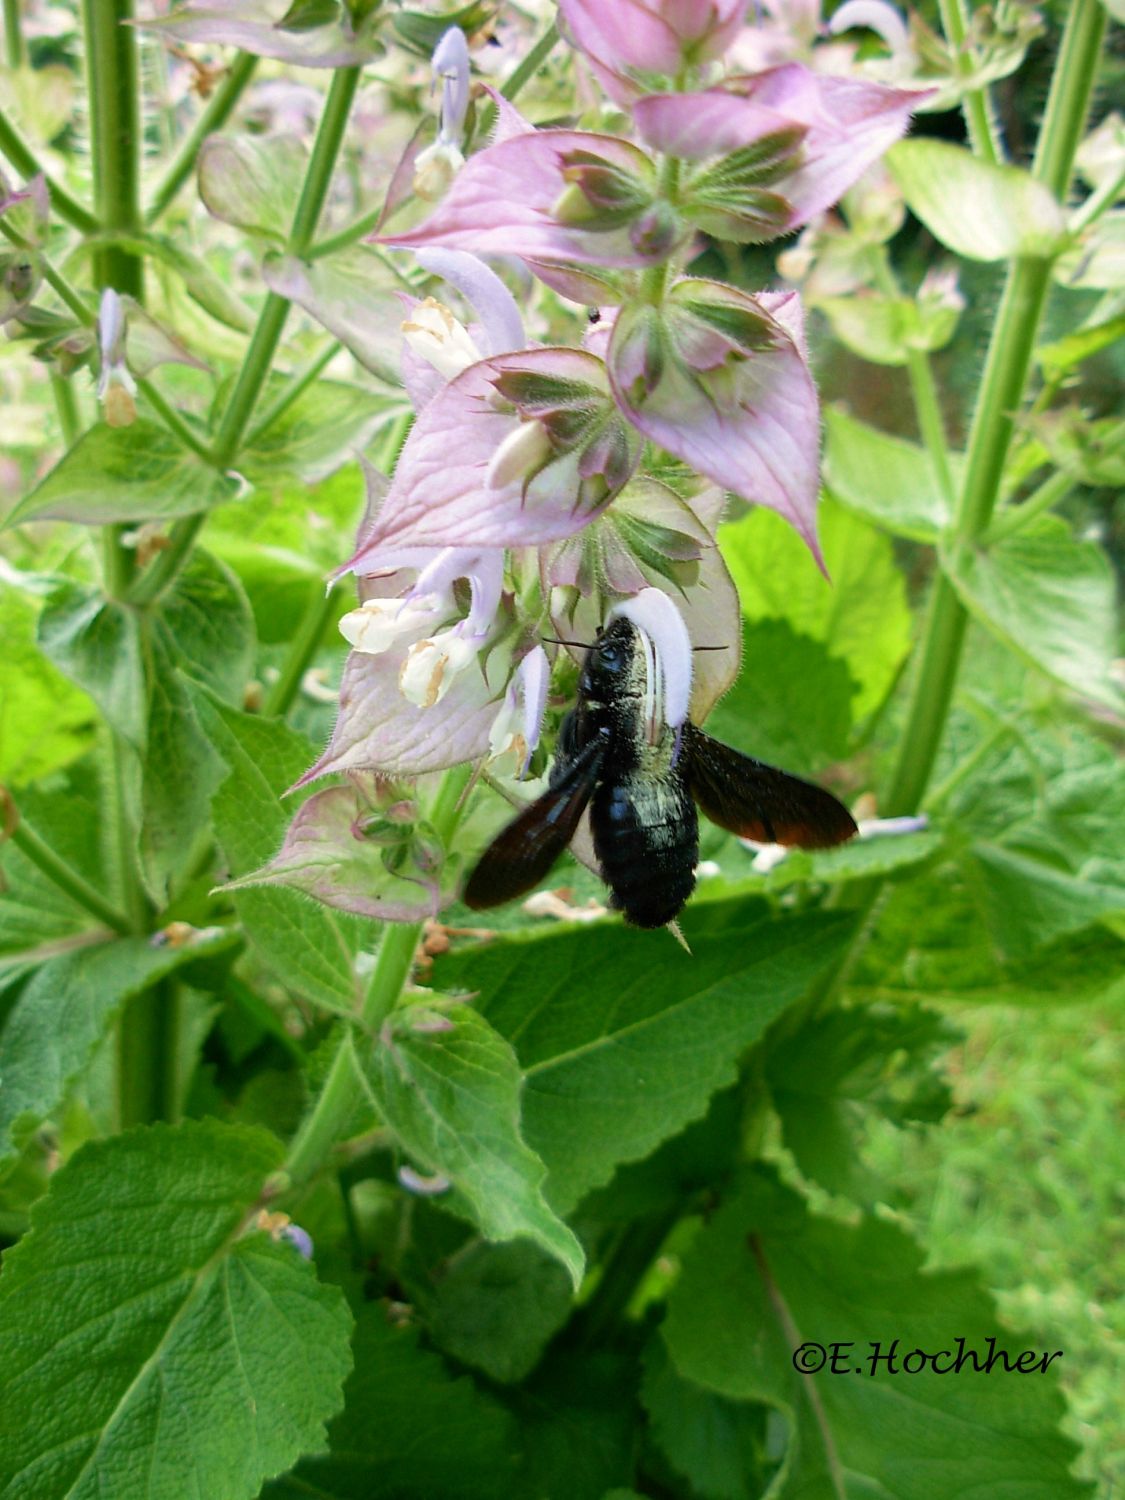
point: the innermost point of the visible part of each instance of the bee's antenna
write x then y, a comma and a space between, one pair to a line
710, 648
554, 641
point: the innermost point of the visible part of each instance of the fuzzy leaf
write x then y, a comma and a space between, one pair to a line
97, 644
308, 948
137, 473
863, 619
344, 295
884, 478
322, 429
452, 1098
624, 1016
64, 1013
1048, 597
975, 209
258, 26
251, 182
198, 1359
408, 1429
44, 721
765, 1276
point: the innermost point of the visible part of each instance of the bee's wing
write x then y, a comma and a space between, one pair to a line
520, 856
760, 802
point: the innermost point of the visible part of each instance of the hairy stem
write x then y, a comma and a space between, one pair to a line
13, 36
302, 648
28, 842
22, 156
213, 118
325, 1123
980, 119
66, 405
113, 84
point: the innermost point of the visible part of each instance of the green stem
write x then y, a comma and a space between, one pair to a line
637, 1247
297, 386
173, 421
302, 649
66, 404
1016, 517
976, 105
324, 1125
927, 407
28, 842
213, 118
148, 1057
23, 158
166, 565
263, 344
998, 402
13, 36
113, 85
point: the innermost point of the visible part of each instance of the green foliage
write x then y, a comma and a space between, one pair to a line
195, 1324
766, 1276
448, 1086
44, 721
136, 473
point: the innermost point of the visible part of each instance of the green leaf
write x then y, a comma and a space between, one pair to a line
1029, 903
765, 1277
863, 619
322, 430
886, 479
66, 1010
44, 722
137, 473
207, 626
198, 1359
204, 286
716, 1446
451, 1095
1073, 348
96, 642
252, 181
623, 1037
308, 948
855, 860
347, 294
1098, 259
790, 703
981, 211
1050, 599
885, 329
578, 1418
827, 1078
495, 1307
408, 1429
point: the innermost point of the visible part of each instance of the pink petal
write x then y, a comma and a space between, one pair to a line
750, 424
439, 496
708, 124
623, 34
379, 730
254, 26
326, 856
503, 199
509, 121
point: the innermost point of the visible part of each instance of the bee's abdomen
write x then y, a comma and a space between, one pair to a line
646, 837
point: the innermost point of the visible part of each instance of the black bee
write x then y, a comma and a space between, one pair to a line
642, 788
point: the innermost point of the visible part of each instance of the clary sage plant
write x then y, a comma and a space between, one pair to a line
362, 362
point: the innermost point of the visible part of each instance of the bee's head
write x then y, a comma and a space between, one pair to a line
610, 658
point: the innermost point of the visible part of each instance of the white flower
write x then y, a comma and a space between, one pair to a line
436, 336
520, 456
516, 728
430, 667
378, 623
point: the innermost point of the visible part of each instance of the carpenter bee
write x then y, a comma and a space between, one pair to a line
642, 782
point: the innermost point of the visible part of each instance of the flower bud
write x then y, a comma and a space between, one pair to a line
436, 336
378, 623
656, 231
429, 669
520, 456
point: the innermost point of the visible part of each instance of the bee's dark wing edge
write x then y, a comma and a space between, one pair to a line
521, 854
760, 802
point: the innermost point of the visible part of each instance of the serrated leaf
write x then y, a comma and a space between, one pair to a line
623, 1037
452, 1098
842, 1067
495, 1307
715, 1445
765, 1276
978, 210
322, 430
1029, 903
198, 1358
856, 860
1050, 599
790, 704
884, 478
307, 947
408, 1429
863, 619
44, 721
66, 1010
137, 473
